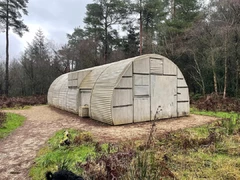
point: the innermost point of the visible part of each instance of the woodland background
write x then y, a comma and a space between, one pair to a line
202, 39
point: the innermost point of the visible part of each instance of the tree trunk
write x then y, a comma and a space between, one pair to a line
140, 27
106, 42
7, 51
172, 9
237, 63
225, 66
200, 75
214, 73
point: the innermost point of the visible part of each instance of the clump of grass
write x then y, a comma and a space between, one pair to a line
147, 164
2, 118
10, 122
55, 156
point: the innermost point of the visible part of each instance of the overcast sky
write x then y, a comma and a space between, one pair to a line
54, 17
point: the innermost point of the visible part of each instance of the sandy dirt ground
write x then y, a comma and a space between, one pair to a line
18, 150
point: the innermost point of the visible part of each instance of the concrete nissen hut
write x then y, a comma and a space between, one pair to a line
122, 92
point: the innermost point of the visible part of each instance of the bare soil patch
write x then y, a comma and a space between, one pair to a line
18, 150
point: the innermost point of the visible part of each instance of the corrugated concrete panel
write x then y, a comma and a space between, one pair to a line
75, 83
125, 82
123, 115
74, 75
183, 108
85, 96
51, 90
128, 71
141, 109
181, 80
69, 83
141, 91
101, 101
141, 80
73, 100
57, 90
169, 68
70, 76
81, 75
183, 94
141, 65
89, 81
156, 66
63, 94
122, 97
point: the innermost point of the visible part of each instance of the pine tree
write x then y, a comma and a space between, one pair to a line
131, 43
36, 62
100, 18
11, 17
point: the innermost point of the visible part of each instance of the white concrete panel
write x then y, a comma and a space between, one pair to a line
83, 111
183, 94
69, 76
181, 80
91, 78
156, 66
164, 94
141, 109
169, 68
183, 109
141, 66
142, 80
73, 100
122, 115
74, 75
85, 97
182, 83
141, 90
125, 83
74, 83
179, 74
70, 83
63, 95
129, 71
82, 75
102, 93
122, 97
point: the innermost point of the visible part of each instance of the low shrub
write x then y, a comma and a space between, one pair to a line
20, 102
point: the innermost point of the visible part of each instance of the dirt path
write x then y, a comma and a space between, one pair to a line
18, 150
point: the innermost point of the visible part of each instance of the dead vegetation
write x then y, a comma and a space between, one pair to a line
213, 102
20, 102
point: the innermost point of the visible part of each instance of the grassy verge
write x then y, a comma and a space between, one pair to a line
215, 114
11, 122
56, 155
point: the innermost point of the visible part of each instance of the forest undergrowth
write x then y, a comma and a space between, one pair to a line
21, 102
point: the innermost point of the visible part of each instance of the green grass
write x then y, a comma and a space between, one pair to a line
13, 121
218, 114
53, 156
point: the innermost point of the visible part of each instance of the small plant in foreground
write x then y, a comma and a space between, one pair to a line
2, 118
